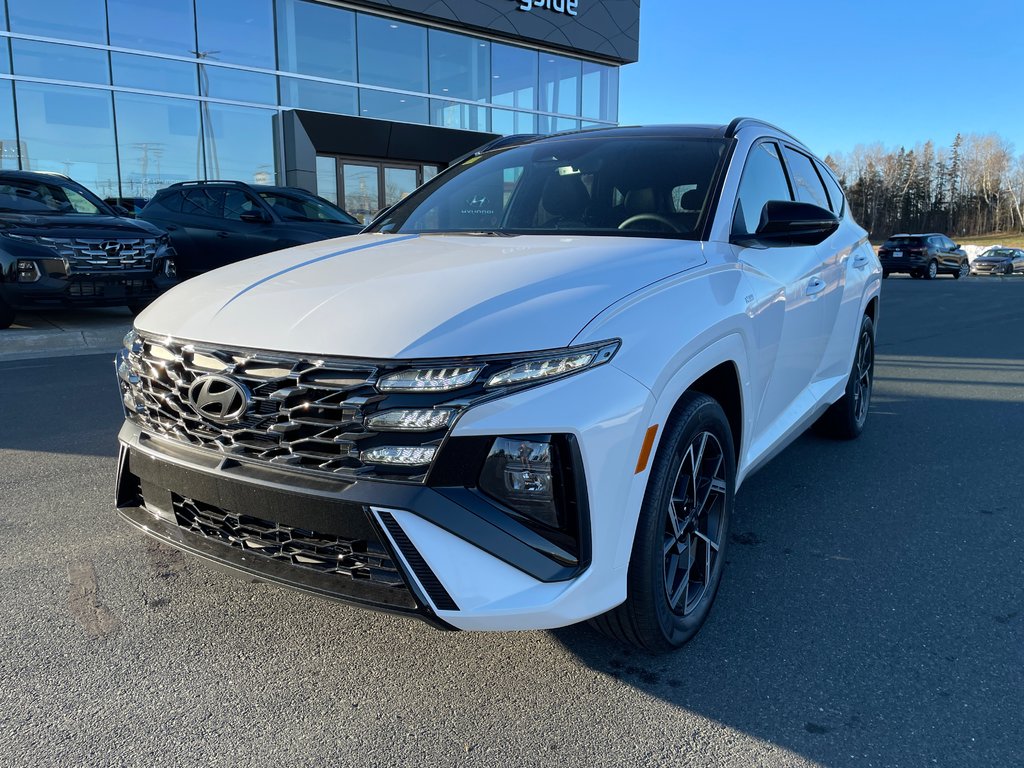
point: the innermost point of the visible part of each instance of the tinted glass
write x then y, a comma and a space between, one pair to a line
835, 194
60, 62
588, 185
237, 202
239, 143
84, 20
237, 85
393, 106
392, 54
159, 142
455, 115
600, 91
236, 31
398, 184
71, 131
362, 191
327, 178
513, 77
316, 39
165, 26
806, 182
763, 180
298, 207
39, 197
9, 154
460, 66
559, 84
903, 242
205, 202
153, 74
320, 97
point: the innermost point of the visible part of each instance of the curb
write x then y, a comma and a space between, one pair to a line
36, 344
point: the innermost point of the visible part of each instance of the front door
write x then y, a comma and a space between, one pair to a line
363, 186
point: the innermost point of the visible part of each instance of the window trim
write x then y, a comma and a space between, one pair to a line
746, 164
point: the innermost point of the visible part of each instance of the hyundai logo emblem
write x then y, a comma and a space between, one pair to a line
112, 249
219, 398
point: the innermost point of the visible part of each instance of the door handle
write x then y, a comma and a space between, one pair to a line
860, 261
223, 234
814, 286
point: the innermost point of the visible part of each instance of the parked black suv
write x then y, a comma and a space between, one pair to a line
60, 245
927, 256
213, 223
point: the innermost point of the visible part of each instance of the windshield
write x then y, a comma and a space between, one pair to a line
590, 185
293, 206
38, 197
1000, 253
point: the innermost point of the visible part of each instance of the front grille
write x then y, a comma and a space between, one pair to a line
355, 558
304, 413
92, 255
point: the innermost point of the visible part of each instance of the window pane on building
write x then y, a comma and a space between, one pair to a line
71, 131
460, 66
316, 39
559, 84
327, 178
158, 142
320, 97
236, 31
8, 134
239, 143
392, 54
513, 77
362, 191
84, 20
393, 106
449, 114
506, 122
600, 91
237, 85
60, 62
163, 26
152, 74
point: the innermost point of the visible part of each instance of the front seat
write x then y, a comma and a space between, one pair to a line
566, 199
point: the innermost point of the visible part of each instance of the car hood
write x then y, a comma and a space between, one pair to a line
412, 296
76, 226
993, 259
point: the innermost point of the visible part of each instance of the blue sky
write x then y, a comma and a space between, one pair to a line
835, 73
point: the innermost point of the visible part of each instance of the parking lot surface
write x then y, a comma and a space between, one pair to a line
872, 611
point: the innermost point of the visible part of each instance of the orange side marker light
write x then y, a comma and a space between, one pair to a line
645, 450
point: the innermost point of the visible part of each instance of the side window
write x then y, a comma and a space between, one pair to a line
763, 179
171, 201
835, 194
806, 183
237, 202
203, 202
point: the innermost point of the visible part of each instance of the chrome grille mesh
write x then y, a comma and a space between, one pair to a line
91, 255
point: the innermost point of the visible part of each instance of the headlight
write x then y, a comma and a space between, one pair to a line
429, 379
399, 455
518, 472
551, 367
410, 419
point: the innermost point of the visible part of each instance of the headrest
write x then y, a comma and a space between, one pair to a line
692, 200
640, 201
566, 196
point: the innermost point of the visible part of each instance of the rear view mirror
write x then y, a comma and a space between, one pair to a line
787, 222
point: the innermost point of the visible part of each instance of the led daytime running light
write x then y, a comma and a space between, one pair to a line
543, 369
410, 419
429, 379
403, 456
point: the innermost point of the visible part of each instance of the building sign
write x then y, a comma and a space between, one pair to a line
558, 6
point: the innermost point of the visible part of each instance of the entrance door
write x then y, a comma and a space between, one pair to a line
399, 182
363, 186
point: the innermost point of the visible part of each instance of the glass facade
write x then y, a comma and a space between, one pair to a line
128, 96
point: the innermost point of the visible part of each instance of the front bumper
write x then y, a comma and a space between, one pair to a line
988, 269
86, 290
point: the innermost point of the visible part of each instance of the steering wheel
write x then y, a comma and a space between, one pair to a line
649, 217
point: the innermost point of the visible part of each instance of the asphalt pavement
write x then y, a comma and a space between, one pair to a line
872, 611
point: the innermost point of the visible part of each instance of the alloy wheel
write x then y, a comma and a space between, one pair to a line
693, 525
965, 269
933, 270
864, 369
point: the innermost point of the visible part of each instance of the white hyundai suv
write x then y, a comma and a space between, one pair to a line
525, 396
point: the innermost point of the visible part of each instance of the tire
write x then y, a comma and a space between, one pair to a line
845, 419
1009, 270
916, 275
931, 271
660, 613
6, 315
963, 271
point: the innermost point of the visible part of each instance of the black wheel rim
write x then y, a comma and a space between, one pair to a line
693, 525
863, 368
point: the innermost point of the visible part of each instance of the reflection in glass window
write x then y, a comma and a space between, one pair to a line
158, 142
236, 31
5, 53
392, 54
327, 178
393, 106
152, 74
547, 124
316, 39
71, 131
450, 114
164, 26
8, 134
237, 85
321, 97
806, 184
513, 77
460, 66
507, 122
60, 62
362, 191
399, 183
239, 143
600, 91
84, 20
559, 84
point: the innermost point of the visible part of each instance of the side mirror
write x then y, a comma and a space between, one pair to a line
254, 217
784, 222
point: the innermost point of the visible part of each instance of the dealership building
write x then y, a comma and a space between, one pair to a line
359, 101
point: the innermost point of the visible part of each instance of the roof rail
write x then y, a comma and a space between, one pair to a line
741, 122
226, 182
